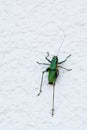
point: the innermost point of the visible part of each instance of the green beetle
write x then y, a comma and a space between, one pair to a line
53, 72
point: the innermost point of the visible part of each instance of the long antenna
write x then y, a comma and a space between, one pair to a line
62, 40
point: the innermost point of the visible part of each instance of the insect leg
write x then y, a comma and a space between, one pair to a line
64, 60
65, 68
57, 72
47, 57
42, 63
53, 99
42, 81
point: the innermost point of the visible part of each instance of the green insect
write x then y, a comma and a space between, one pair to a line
53, 72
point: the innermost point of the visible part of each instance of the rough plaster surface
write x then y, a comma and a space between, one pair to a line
27, 25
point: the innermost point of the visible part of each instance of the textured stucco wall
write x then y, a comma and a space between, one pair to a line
27, 25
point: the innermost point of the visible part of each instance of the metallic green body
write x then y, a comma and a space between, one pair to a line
52, 75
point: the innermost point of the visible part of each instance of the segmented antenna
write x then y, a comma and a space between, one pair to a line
62, 40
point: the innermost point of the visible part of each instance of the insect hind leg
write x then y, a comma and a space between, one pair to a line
53, 99
57, 74
42, 81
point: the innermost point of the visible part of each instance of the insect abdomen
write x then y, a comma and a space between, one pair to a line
52, 77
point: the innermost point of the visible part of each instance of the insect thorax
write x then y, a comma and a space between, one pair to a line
54, 62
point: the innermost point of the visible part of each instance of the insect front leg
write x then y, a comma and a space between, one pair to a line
42, 81
47, 57
64, 60
65, 68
